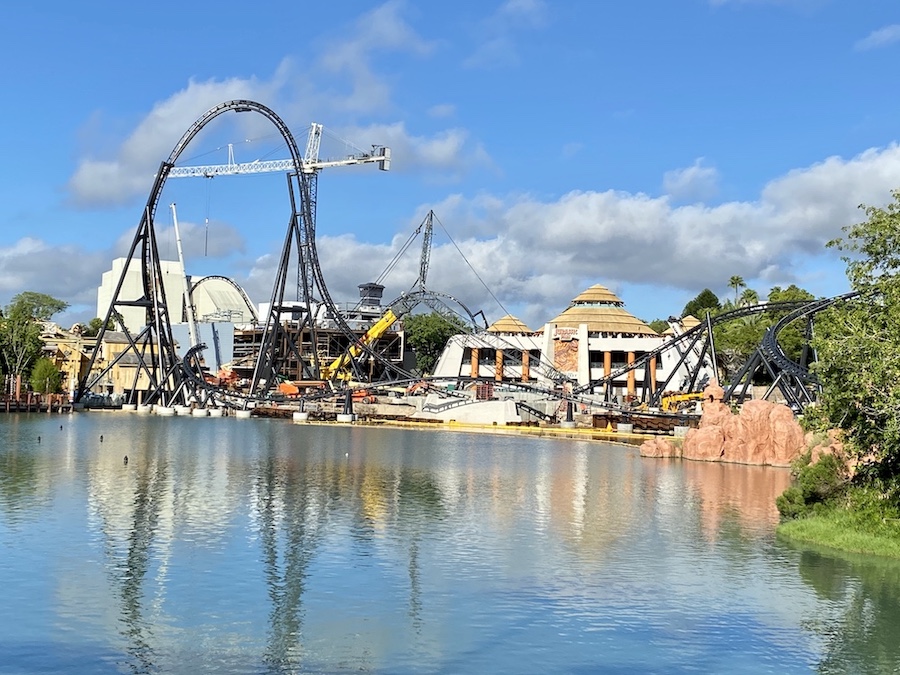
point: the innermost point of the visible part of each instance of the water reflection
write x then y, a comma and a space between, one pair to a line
860, 629
23, 487
270, 547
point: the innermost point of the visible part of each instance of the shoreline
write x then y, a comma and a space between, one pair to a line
632, 440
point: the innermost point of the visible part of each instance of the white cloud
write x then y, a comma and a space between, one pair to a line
450, 151
442, 110
126, 172
118, 180
803, 4
536, 255
880, 38
217, 240
67, 272
569, 150
692, 182
530, 13
382, 29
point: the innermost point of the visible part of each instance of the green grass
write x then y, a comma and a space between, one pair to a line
846, 531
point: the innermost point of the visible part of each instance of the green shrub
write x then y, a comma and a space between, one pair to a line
815, 487
790, 503
45, 377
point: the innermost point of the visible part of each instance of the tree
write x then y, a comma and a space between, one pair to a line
94, 326
858, 346
427, 334
706, 301
20, 329
40, 305
749, 297
737, 283
45, 377
659, 325
793, 336
737, 340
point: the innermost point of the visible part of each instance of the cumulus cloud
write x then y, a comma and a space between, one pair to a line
534, 255
217, 240
346, 86
119, 179
692, 182
67, 272
451, 151
880, 38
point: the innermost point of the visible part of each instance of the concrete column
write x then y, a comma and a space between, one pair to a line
584, 356
607, 363
526, 355
652, 373
498, 365
630, 374
474, 363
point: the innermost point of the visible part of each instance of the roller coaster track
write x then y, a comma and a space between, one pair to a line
797, 384
794, 379
169, 379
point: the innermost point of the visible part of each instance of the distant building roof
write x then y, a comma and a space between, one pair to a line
218, 298
603, 312
509, 324
687, 323
115, 337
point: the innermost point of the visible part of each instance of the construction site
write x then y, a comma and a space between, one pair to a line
200, 346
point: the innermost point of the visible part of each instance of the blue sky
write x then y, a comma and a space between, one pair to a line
656, 148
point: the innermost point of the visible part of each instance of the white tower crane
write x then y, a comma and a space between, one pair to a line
380, 155
311, 163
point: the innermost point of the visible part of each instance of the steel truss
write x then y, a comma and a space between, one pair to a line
152, 349
795, 382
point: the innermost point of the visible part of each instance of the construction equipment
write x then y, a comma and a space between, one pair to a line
380, 155
340, 368
679, 401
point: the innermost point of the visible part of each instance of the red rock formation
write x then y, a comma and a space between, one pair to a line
763, 433
713, 392
660, 447
704, 444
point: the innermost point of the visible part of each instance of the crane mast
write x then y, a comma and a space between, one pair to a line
189, 308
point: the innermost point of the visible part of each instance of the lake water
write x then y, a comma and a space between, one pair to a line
261, 546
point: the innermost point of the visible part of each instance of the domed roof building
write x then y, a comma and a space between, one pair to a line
509, 325
594, 338
603, 313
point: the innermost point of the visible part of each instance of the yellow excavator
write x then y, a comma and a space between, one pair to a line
339, 369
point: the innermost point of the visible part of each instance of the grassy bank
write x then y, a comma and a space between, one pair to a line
846, 531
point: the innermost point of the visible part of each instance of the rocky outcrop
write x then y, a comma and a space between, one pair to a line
762, 433
660, 447
830, 444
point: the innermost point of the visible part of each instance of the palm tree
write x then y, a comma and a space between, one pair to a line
737, 283
749, 297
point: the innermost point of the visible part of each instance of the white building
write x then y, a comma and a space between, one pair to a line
215, 298
135, 318
218, 302
593, 338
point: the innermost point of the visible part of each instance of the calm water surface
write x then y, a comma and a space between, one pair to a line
260, 546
